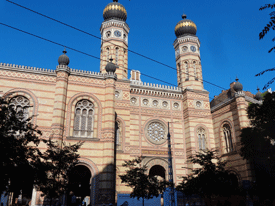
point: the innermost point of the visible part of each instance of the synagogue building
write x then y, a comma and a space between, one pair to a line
119, 117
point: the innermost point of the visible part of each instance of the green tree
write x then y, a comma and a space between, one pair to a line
53, 168
143, 185
270, 25
257, 143
210, 180
18, 147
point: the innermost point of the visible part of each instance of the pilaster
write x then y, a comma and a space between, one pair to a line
107, 176
62, 74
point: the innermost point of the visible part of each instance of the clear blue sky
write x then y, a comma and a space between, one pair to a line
228, 32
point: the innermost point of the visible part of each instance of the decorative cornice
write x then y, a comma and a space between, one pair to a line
110, 75
116, 23
186, 39
28, 69
155, 90
64, 68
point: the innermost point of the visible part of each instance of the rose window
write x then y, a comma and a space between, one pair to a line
156, 132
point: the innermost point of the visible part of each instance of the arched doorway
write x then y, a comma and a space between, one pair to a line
157, 170
79, 182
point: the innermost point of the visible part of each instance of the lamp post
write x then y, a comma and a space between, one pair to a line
170, 170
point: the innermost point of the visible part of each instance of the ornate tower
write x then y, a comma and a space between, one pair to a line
187, 50
114, 38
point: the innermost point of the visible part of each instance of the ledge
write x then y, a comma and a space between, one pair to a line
83, 138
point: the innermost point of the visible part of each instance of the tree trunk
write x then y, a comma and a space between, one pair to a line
143, 201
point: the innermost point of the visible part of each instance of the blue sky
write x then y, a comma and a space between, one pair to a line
228, 32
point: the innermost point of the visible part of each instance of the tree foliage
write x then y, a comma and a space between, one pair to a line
57, 162
143, 185
257, 141
210, 179
21, 162
270, 25
18, 146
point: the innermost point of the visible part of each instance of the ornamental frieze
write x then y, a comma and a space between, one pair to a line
86, 80
28, 76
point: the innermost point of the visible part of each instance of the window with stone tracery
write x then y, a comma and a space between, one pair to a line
227, 138
201, 138
186, 70
84, 117
156, 132
21, 105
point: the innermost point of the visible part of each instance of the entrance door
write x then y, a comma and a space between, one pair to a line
79, 182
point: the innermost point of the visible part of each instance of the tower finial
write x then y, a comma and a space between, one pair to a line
115, 0
258, 88
64, 50
183, 16
237, 79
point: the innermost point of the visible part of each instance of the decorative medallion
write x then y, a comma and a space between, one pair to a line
176, 105
117, 33
108, 34
165, 104
193, 48
198, 104
133, 100
156, 132
184, 49
155, 103
145, 101
117, 93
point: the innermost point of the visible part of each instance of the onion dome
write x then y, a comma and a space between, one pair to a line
258, 95
115, 10
64, 59
238, 86
111, 67
185, 26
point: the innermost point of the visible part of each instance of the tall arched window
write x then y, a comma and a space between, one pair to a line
195, 70
118, 132
108, 54
227, 138
201, 138
21, 104
186, 70
83, 121
117, 49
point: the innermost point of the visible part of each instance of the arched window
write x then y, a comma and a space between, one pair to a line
108, 54
21, 104
195, 70
117, 49
201, 138
227, 138
179, 73
186, 70
83, 121
118, 132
